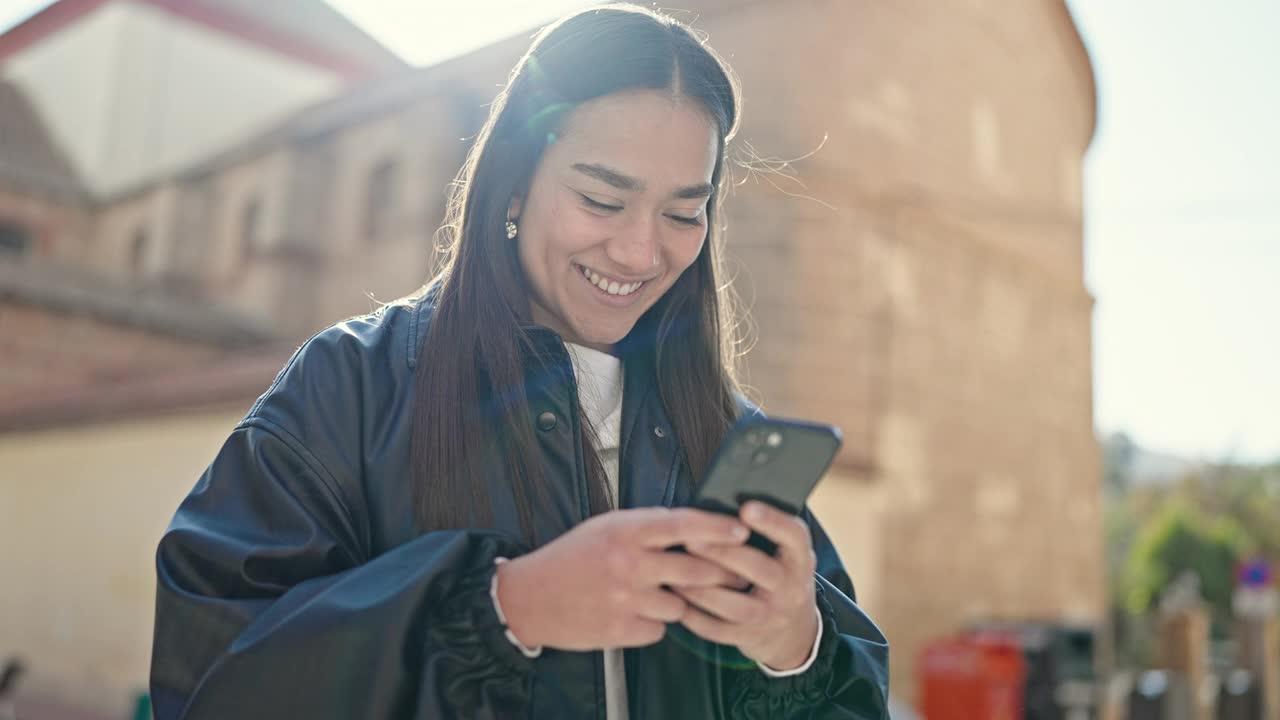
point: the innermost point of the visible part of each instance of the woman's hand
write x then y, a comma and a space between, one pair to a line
776, 623
600, 585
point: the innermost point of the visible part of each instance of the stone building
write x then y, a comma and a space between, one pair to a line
905, 226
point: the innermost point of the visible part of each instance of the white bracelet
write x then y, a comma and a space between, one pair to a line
497, 608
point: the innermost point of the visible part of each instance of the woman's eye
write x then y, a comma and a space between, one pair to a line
594, 205
694, 221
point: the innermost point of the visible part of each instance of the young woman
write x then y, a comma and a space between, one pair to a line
459, 505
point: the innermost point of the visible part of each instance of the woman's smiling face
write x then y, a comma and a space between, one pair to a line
616, 211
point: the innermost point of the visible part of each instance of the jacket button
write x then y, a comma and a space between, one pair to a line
547, 420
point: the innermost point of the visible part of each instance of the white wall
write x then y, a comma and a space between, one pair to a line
131, 91
81, 513
186, 91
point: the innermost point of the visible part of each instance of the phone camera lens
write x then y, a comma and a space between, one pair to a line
753, 438
760, 457
774, 440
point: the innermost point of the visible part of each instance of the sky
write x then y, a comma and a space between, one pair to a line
1182, 189
1182, 214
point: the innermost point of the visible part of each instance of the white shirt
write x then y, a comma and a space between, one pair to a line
599, 376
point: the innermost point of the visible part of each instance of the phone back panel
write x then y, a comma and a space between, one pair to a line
775, 460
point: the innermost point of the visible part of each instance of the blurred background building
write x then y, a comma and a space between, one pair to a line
190, 188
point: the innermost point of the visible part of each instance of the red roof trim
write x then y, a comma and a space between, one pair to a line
44, 23
227, 22
64, 12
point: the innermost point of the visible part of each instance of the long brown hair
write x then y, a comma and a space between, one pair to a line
477, 342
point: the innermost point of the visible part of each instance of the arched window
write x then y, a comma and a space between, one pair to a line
15, 240
139, 250
251, 227
380, 199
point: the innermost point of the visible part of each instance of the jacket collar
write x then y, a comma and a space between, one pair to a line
649, 461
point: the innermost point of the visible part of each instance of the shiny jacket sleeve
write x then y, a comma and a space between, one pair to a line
849, 678
267, 608
272, 603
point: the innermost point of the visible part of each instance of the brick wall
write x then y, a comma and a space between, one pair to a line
45, 350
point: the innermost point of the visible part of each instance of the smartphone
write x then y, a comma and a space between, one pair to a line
771, 459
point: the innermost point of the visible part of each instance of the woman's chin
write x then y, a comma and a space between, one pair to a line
599, 337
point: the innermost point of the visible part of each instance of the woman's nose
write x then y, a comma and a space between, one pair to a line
635, 248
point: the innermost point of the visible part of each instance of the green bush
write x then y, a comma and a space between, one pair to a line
1180, 538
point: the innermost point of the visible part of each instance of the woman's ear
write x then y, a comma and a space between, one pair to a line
513, 209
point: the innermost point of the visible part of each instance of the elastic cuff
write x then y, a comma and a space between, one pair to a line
467, 623
754, 693
497, 608
813, 653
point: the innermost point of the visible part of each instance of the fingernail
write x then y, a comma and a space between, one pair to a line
755, 512
740, 532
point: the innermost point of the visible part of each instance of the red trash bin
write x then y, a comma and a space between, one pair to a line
974, 677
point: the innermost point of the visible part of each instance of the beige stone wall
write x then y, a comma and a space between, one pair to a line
922, 286
235, 270
990, 467
308, 263
849, 507
143, 220
82, 511
424, 142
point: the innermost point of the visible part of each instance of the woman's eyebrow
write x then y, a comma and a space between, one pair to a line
620, 181
694, 192
610, 176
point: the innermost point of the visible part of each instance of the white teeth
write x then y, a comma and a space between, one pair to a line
611, 287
